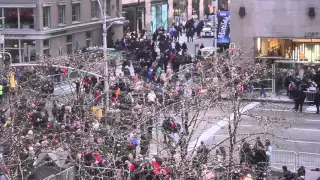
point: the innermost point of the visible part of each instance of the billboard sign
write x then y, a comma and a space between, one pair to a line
223, 27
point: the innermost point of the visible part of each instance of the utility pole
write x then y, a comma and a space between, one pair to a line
104, 16
105, 49
2, 63
216, 9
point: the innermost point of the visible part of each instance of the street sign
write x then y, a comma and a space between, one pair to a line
1, 39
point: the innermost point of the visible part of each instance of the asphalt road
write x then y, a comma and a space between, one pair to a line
207, 42
295, 138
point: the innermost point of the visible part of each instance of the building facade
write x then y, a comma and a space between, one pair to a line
33, 28
286, 29
148, 14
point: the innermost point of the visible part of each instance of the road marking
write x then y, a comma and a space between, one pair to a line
303, 142
312, 120
311, 109
220, 135
246, 125
302, 129
308, 111
277, 110
214, 129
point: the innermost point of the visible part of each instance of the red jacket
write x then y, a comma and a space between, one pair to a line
171, 57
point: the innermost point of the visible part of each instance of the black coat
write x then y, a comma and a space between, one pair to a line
317, 98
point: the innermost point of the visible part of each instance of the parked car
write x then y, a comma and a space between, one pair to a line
207, 31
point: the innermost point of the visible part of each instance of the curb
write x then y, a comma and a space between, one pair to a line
265, 100
270, 100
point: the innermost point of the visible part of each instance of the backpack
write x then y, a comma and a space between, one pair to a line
133, 142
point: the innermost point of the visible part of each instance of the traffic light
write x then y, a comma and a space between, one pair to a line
12, 80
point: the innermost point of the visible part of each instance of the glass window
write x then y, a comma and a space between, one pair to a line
11, 17
15, 55
88, 35
61, 14
158, 16
69, 48
26, 18
46, 16
69, 38
46, 52
46, 43
94, 9
88, 39
291, 49
11, 43
28, 42
76, 12
69, 44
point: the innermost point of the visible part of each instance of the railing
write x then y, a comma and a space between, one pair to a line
67, 174
310, 96
268, 85
294, 160
88, 172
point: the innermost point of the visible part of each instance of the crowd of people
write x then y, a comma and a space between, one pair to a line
51, 124
301, 85
157, 82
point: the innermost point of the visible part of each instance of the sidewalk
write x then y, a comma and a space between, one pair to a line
270, 98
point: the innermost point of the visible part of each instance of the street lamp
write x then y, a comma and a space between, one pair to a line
216, 28
1, 56
104, 19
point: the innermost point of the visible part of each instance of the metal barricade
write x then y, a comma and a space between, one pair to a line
67, 174
308, 160
88, 172
310, 96
294, 160
281, 158
256, 86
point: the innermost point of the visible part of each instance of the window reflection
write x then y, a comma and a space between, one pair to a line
11, 17
11, 43
15, 55
294, 49
26, 18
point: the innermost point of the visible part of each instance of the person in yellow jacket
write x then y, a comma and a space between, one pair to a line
1, 93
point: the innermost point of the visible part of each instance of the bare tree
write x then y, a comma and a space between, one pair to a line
27, 133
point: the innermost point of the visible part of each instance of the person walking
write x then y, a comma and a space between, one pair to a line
268, 147
262, 89
317, 100
299, 97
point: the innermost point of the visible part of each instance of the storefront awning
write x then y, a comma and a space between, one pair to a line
18, 5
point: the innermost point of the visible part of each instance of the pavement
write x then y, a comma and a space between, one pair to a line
192, 50
291, 133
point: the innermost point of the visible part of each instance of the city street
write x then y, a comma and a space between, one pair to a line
206, 41
192, 50
286, 129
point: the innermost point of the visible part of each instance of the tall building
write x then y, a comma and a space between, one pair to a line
38, 27
279, 30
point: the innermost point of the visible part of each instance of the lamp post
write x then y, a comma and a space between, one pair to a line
10, 57
104, 19
216, 9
